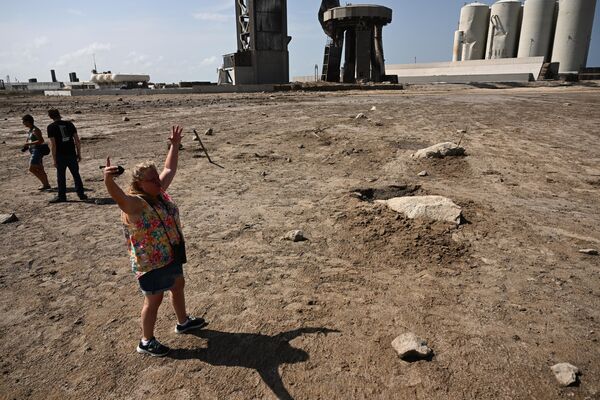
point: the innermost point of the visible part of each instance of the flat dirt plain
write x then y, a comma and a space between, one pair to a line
500, 299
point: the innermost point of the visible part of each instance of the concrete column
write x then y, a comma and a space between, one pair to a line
350, 63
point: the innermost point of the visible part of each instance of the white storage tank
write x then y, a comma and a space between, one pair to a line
474, 21
457, 49
503, 32
573, 34
537, 28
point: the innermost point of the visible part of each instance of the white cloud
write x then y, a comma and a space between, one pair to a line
209, 61
214, 17
86, 51
40, 41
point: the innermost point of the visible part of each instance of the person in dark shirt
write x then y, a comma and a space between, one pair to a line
66, 152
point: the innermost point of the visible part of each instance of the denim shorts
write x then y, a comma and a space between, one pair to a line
36, 156
160, 280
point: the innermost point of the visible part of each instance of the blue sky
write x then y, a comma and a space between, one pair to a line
184, 39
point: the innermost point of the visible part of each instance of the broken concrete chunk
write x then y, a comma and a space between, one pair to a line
437, 208
440, 150
295, 236
410, 347
589, 252
8, 218
565, 373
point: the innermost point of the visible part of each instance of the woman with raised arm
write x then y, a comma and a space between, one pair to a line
155, 241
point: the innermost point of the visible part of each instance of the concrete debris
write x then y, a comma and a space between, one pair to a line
440, 150
410, 347
589, 252
125, 119
565, 373
295, 236
437, 208
8, 218
423, 173
360, 116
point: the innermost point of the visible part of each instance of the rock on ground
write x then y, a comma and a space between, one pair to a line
8, 218
410, 346
437, 208
565, 373
440, 150
295, 236
589, 252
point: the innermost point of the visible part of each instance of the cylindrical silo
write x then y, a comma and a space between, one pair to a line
537, 28
474, 21
503, 33
573, 34
457, 49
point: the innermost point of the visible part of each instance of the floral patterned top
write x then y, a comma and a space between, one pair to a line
147, 239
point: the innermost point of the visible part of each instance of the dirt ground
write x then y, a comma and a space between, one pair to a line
499, 299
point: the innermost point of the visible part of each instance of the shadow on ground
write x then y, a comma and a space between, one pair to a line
251, 350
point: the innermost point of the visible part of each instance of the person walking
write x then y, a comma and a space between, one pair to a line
155, 242
38, 149
66, 152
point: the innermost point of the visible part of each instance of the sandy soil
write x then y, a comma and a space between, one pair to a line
500, 299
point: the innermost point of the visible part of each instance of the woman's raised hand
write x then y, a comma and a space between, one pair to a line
110, 171
176, 136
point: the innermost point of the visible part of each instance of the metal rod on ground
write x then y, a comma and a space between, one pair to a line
202, 146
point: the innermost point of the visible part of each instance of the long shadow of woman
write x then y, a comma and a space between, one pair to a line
249, 350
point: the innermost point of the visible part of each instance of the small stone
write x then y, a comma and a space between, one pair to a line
78, 321
120, 99
263, 174
410, 347
295, 236
567, 104
360, 116
77, 112
8, 218
378, 123
423, 173
301, 146
209, 132
589, 252
125, 119
437, 208
461, 131
138, 124
440, 150
374, 108
565, 373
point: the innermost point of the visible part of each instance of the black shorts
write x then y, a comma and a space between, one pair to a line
160, 280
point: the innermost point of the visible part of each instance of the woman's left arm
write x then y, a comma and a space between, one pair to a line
168, 173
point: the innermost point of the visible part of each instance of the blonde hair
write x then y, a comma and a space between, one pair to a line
137, 174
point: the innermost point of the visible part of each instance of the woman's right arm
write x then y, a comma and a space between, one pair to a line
130, 205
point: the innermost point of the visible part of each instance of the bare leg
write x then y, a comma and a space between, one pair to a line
38, 171
149, 313
178, 300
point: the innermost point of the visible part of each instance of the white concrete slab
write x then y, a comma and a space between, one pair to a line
479, 69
